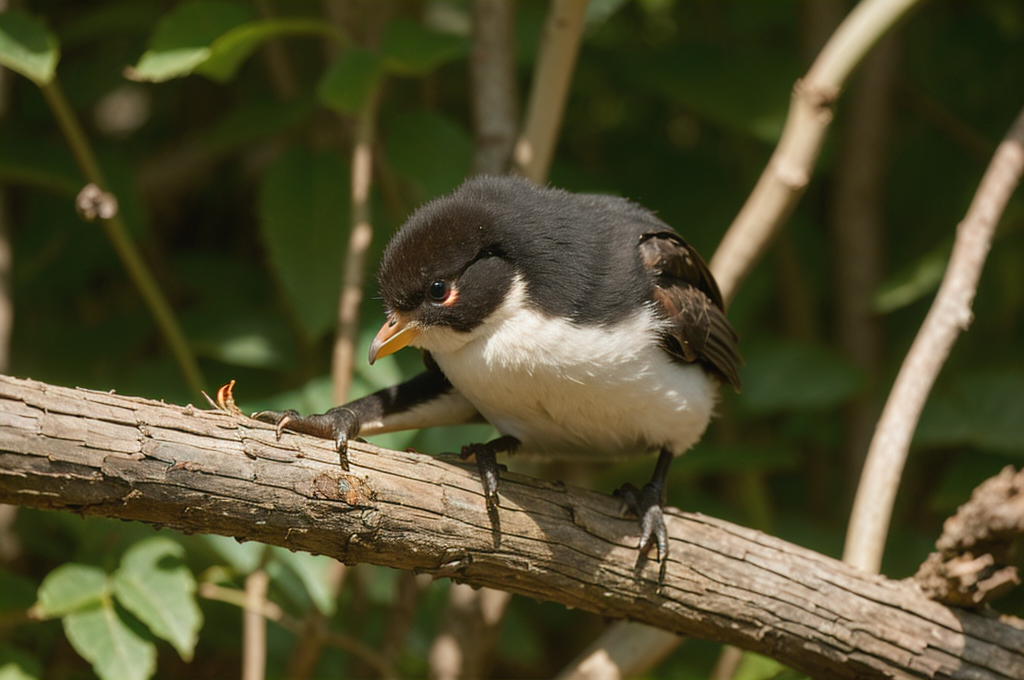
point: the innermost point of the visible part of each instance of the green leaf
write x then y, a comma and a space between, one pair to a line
243, 557
28, 47
380, 584
16, 592
104, 639
303, 207
351, 81
520, 638
315, 396
313, 572
791, 377
96, 22
754, 101
429, 150
30, 160
155, 586
70, 588
409, 49
255, 120
18, 664
756, 667
599, 11
912, 283
183, 38
716, 459
231, 49
236, 332
12, 671
960, 478
985, 410
255, 349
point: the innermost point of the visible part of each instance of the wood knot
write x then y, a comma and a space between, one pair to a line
336, 486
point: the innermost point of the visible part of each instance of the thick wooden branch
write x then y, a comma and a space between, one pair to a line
201, 471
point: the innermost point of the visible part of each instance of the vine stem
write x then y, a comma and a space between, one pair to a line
122, 242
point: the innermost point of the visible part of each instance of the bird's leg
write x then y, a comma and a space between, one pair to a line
646, 504
487, 463
386, 410
340, 424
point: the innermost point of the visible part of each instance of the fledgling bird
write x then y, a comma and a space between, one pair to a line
580, 326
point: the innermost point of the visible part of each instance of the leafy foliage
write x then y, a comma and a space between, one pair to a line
224, 128
148, 584
26, 47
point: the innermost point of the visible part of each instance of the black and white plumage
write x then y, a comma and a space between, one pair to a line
580, 326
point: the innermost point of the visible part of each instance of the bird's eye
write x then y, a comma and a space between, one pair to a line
438, 291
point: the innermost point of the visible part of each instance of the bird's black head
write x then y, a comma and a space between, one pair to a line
443, 270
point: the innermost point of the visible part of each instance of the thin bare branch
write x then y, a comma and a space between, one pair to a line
950, 313
254, 627
6, 254
789, 170
402, 614
783, 181
275, 57
469, 632
122, 242
366, 21
857, 226
355, 258
463, 646
271, 611
728, 663
626, 650
492, 78
549, 90
314, 630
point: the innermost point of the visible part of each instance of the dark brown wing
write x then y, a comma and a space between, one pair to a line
686, 293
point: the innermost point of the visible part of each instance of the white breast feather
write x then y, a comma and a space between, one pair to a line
571, 390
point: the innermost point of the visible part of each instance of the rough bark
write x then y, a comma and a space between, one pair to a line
200, 471
974, 561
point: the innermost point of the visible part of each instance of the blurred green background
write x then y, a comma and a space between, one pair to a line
233, 178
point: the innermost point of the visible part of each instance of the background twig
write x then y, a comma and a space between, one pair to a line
493, 81
788, 172
254, 626
626, 650
359, 240
950, 313
549, 89
117, 232
464, 644
857, 226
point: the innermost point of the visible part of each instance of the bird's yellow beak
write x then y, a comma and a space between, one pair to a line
392, 336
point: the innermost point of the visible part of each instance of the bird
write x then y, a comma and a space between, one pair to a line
580, 326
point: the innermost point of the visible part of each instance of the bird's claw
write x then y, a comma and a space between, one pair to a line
653, 532
339, 425
279, 419
341, 446
645, 504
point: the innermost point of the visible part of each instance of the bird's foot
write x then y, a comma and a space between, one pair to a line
487, 464
339, 425
645, 504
